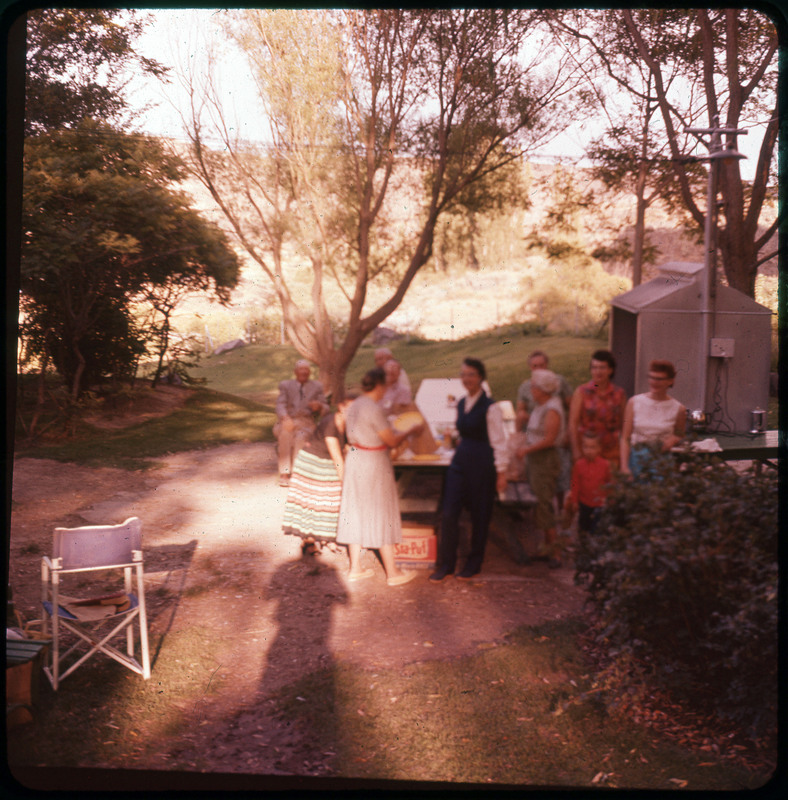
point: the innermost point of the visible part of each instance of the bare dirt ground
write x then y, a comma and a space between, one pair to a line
216, 561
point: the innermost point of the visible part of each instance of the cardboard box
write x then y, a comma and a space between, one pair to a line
24, 663
419, 546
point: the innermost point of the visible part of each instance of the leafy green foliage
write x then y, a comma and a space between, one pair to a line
480, 217
380, 121
681, 68
572, 291
682, 576
102, 226
75, 59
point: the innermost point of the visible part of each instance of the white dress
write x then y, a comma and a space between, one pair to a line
369, 512
653, 420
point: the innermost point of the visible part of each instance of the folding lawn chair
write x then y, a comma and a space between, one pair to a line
90, 549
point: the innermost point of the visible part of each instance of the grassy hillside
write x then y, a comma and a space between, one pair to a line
208, 419
254, 371
236, 403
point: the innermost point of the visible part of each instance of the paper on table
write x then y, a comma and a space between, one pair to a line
707, 446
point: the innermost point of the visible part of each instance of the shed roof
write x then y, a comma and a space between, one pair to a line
678, 287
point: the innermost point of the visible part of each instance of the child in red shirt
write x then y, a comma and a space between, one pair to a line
590, 474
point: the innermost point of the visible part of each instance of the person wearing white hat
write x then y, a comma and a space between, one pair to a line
300, 401
546, 427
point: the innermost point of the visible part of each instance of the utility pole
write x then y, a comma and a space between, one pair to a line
709, 279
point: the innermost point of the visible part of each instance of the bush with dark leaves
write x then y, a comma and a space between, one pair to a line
682, 578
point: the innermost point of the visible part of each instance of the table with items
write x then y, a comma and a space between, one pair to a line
760, 447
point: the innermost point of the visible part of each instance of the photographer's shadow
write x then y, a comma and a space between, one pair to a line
306, 593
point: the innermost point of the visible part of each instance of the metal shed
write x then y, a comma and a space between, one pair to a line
722, 354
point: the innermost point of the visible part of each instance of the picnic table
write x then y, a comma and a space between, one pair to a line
518, 495
760, 447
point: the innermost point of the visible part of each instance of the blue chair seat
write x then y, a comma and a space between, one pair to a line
65, 614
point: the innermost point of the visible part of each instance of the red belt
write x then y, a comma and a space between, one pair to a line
361, 447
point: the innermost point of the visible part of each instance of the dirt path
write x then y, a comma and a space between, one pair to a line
211, 527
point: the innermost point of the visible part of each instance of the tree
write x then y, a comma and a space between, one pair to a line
378, 122
102, 226
572, 285
701, 63
501, 192
76, 59
631, 158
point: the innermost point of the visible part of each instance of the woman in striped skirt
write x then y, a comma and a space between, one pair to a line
312, 507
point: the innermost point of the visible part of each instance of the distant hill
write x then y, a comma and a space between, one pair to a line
454, 303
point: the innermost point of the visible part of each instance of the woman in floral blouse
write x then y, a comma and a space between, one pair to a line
598, 406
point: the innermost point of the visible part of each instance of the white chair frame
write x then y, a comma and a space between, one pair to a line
90, 549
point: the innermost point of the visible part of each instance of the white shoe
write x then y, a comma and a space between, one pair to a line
358, 576
398, 580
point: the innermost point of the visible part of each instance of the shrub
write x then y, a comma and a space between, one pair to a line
682, 577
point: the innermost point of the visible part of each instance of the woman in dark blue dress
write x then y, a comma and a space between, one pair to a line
476, 471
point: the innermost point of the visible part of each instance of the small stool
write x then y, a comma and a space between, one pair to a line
24, 660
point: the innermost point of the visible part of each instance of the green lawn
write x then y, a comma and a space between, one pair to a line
226, 410
208, 418
255, 369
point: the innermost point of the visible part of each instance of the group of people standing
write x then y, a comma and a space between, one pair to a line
606, 435
341, 482
578, 441
342, 488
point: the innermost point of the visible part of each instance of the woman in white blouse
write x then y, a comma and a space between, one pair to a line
654, 421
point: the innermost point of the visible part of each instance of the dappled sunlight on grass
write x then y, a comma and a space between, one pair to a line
207, 419
513, 714
120, 720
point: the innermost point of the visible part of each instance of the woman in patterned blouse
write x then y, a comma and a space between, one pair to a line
598, 406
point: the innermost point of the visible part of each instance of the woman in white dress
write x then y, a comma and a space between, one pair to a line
369, 515
654, 421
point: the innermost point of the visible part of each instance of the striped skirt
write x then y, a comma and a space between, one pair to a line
312, 507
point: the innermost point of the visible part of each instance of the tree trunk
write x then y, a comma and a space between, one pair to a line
76, 382
333, 381
163, 345
640, 226
739, 258
473, 231
41, 392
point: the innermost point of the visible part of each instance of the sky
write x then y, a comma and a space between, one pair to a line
179, 37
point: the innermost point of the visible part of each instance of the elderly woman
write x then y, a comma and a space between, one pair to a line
477, 468
654, 421
598, 406
369, 513
546, 427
